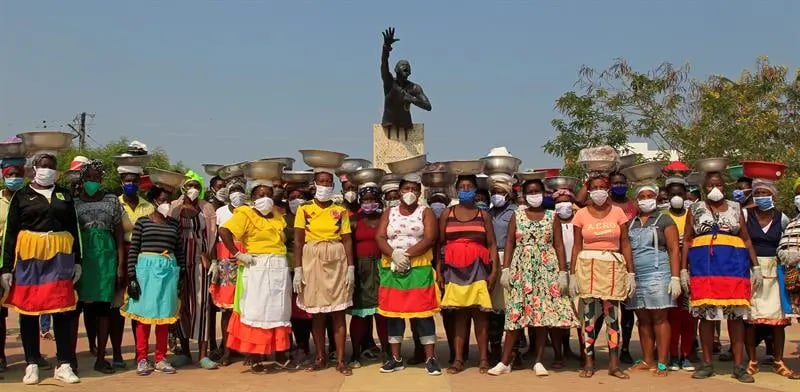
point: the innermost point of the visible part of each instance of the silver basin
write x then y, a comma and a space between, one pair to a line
230, 171
627, 161
435, 167
599, 166
643, 172
561, 182
212, 169
46, 141
288, 163
323, 158
298, 177
133, 160
263, 170
465, 168
351, 165
165, 178
528, 176
408, 165
711, 165
493, 165
363, 176
12, 150
438, 179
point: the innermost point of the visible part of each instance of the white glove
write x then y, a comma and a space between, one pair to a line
401, 260
563, 282
213, 271
674, 288
244, 258
5, 282
297, 282
685, 280
573, 286
631, 284
350, 280
505, 278
77, 272
756, 279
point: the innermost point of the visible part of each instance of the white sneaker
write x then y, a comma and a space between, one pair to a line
540, 370
64, 373
31, 375
500, 369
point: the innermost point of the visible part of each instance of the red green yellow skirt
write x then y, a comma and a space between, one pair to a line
412, 294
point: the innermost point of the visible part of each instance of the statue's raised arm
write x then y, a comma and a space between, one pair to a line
388, 40
399, 92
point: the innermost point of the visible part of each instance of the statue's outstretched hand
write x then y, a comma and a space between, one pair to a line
388, 37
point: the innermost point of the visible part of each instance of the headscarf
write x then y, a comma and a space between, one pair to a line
368, 188
390, 186
412, 177
10, 163
94, 164
257, 183
563, 192
765, 184
505, 186
191, 175
328, 170
39, 157
647, 187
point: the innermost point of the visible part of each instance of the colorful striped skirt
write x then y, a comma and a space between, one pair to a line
43, 274
99, 266
158, 303
719, 266
411, 294
466, 269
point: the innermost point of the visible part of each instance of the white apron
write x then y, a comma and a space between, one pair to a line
766, 303
266, 298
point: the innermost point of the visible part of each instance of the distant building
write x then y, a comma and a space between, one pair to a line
644, 150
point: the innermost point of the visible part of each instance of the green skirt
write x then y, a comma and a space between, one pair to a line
99, 266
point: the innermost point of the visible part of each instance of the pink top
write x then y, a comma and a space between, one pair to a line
600, 234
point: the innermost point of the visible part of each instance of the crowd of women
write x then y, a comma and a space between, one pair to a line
285, 262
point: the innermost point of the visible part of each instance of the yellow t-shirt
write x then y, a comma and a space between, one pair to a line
322, 224
4, 204
258, 234
680, 221
144, 208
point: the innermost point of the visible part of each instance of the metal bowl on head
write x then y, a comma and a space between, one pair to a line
438, 179
351, 165
12, 150
408, 165
626, 161
212, 169
363, 176
132, 160
323, 158
231, 171
435, 167
529, 176
694, 179
288, 163
500, 164
298, 177
599, 166
46, 141
711, 165
391, 177
561, 182
263, 170
166, 179
645, 172
465, 168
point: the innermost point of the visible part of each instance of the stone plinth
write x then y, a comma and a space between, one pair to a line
394, 145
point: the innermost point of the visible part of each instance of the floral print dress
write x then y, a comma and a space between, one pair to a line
534, 299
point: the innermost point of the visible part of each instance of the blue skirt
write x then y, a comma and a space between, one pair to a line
158, 304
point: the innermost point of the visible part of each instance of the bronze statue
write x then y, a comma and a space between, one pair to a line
399, 92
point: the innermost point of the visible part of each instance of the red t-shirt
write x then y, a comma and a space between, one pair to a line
366, 246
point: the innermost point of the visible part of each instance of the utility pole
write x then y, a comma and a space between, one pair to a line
80, 119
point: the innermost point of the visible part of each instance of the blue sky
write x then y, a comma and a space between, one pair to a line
225, 81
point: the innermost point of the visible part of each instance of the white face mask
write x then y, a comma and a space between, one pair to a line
715, 195
498, 200
222, 195
237, 199
438, 208
599, 196
676, 202
264, 205
647, 205
163, 209
534, 201
323, 193
409, 198
192, 194
350, 196
44, 177
294, 204
687, 204
392, 203
564, 209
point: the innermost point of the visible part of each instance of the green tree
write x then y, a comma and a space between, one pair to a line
106, 153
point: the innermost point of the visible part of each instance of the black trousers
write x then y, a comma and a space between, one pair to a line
62, 329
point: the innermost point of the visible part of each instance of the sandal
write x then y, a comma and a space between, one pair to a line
752, 367
317, 365
586, 372
640, 365
257, 367
342, 368
779, 368
660, 370
618, 373
208, 364
456, 367
484, 367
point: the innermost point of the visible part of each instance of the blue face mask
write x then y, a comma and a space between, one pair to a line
764, 203
619, 191
548, 203
130, 188
14, 183
482, 205
466, 197
740, 195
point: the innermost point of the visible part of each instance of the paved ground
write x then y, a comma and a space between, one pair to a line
237, 377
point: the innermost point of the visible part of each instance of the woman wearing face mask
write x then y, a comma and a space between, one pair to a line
391, 194
224, 268
367, 254
198, 230
41, 263
296, 195
260, 325
535, 275
656, 258
406, 238
719, 255
102, 236
438, 203
683, 327
502, 212
13, 171
766, 225
565, 209
603, 272
468, 273
743, 194
482, 199
324, 272
155, 262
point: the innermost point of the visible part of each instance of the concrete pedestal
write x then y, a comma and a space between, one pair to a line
389, 145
